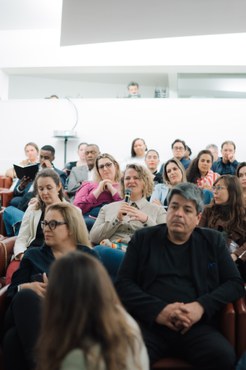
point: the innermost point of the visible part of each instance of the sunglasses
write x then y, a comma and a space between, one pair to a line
52, 224
107, 165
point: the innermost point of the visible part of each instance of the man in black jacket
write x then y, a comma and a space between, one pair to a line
175, 278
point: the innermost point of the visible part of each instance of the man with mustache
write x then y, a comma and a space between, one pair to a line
175, 278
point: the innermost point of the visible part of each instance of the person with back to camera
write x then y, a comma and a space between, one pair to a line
227, 214
118, 221
92, 195
174, 280
227, 164
241, 174
99, 333
199, 171
173, 174
64, 231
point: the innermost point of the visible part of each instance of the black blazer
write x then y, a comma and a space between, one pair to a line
215, 275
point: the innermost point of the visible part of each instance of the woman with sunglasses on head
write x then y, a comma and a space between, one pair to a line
64, 231
92, 195
227, 214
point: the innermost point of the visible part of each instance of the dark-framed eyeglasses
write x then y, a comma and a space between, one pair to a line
52, 224
107, 165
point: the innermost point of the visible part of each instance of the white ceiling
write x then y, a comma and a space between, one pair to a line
104, 21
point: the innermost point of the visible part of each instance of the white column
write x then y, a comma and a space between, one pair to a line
4, 86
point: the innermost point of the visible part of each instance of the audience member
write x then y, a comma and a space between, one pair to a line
138, 151
241, 174
227, 214
178, 149
118, 221
80, 162
173, 281
82, 173
133, 90
227, 164
92, 195
64, 232
152, 161
31, 151
25, 185
173, 174
214, 150
48, 188
99, 333
188, 152
199, 171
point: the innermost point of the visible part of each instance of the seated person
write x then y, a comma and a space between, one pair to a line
138, 152
46, 157
64, 231
118, 221
133, 90
80, 162
227, 214
92, 195
174, 279
152, 160
90, 319
227, 164
199, 171
31, 151
84, 172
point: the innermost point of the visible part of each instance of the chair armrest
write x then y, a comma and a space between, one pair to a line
6, 196
228, 323
240, 308
6, 251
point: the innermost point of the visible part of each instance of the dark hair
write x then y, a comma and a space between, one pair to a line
144, 174
179, 165
190, 192
233, 211
188, 150
82, 309
178, 141
242, 164
133, 154
193, 172
47, 172
49, 148
152, 150
228, 142
132, 83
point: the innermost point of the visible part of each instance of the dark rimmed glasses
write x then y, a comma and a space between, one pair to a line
52, 224
107, 165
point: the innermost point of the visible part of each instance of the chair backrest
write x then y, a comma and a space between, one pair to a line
6, 251
5, 182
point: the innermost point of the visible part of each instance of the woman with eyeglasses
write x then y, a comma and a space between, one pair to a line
48, 190
92, 195
227, 214
241, 174
64, 231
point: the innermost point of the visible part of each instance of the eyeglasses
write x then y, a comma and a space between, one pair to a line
107, 165
52, 224
178, 148
218, 188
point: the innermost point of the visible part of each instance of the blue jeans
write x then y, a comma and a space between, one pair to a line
12, 218
111, 259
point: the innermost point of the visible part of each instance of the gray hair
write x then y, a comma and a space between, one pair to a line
188, 191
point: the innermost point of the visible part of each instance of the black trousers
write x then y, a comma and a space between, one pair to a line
203, 346
21, 328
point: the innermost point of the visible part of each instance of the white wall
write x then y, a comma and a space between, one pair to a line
114, 123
